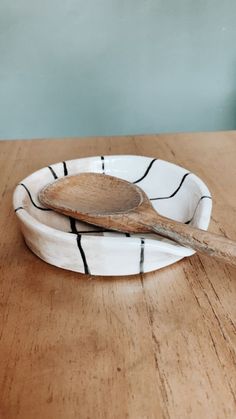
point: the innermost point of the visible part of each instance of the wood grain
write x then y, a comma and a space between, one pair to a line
156, 346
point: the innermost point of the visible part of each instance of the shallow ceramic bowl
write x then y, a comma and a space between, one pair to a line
69, 244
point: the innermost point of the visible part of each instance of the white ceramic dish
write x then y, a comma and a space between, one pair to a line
76, 246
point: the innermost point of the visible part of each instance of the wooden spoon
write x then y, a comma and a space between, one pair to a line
116, 204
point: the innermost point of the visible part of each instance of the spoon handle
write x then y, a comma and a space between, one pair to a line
200, 240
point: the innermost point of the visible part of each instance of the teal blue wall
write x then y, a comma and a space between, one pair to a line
101, 67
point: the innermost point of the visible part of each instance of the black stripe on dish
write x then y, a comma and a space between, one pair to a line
103, 164
141, 260
75, 231
18, 208
175, 192
53, 172
202, 197
93, 231
146, 172
31, 199
73, 225
83, 256
65, 168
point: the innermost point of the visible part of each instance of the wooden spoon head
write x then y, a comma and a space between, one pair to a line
98, 199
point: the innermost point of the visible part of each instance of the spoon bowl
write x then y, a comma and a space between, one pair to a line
86, 193
99, 200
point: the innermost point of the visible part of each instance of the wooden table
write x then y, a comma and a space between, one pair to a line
160, 345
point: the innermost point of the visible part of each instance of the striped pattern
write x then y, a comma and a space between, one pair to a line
31, 199
103, 164
53, 172
65, 168
200, 200
141, 261
174, 192
146, 172
82, 253
78, 232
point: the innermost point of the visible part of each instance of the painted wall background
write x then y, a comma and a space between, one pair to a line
101, 67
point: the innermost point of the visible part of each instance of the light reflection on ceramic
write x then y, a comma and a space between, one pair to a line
76, 246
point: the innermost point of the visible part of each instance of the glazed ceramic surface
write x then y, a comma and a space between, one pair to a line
70, 244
